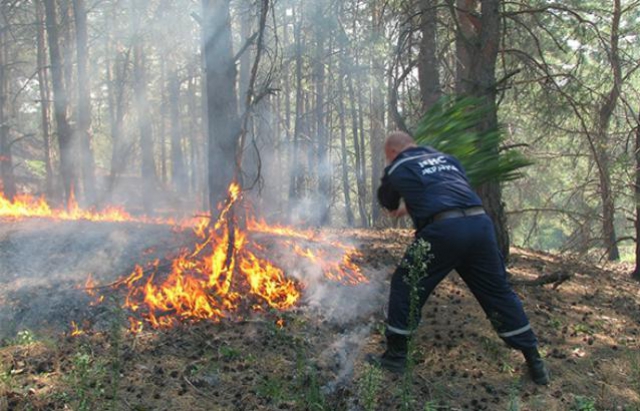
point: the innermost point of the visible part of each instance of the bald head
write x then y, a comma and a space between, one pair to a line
396, 143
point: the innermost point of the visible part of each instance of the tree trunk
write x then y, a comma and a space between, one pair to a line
477, 42
60, 103
295, 186
377, 118
428, 67
45, 115
162, 126
636, 272
6, 160
600, 145
117, 73
148, 167
194, 135
83, 128
360, 181
178, 169
346, 187
222, 100
324, 169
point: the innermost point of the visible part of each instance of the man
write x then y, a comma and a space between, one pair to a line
448, 214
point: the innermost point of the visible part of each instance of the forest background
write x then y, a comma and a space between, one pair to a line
152, 105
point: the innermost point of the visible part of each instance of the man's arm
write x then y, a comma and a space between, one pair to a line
388, 197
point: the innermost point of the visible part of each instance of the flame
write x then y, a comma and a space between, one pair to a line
27, 206
225, 271
75, 330
213, 280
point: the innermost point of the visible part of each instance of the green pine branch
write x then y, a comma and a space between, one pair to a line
451, 126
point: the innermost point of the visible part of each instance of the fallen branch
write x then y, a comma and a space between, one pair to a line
555, 278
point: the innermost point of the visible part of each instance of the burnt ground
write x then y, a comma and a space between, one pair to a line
588, 327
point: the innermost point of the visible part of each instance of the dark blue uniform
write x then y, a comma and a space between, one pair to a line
446, 212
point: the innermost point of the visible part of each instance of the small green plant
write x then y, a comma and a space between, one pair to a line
229, 353
24, 337
416, 264
369, 387
582, 329
581, 403
272, 388
81, 367
431, 406
506, 367
554, 323
514, 396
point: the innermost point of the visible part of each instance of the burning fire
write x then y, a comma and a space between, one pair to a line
75, 330
25, 206
226, 272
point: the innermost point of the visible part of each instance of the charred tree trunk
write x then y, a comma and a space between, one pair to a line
60, 103
178, 169
45, 116
428, 74
222, 100
6, 160
83, 128
477, 42
148, 166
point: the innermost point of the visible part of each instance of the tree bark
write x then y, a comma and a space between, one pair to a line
148, 166
6, 160
600, 145
477, 41
360, 180
636, 272
346, 187
83, 128
428, 67
60, 103
377, 110
222, 100
178, 169
296, 183
324, 169
45, 116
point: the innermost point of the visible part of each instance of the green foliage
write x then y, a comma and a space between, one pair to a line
581, 403
24, 337
416, 265
369, 386
452, 126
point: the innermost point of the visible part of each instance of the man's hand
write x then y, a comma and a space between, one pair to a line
399, 212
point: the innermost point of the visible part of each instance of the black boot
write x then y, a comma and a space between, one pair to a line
537, 369
394, 358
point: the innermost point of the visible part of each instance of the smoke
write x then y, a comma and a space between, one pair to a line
341, 356
44, 266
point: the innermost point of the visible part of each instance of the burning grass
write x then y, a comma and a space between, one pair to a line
590, 341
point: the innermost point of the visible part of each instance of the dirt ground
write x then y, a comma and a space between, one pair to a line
588, 328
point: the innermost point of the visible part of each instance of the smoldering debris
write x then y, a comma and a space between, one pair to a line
45, 264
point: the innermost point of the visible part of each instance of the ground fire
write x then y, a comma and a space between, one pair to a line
230, 271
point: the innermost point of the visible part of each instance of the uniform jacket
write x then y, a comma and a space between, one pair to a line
429, 182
